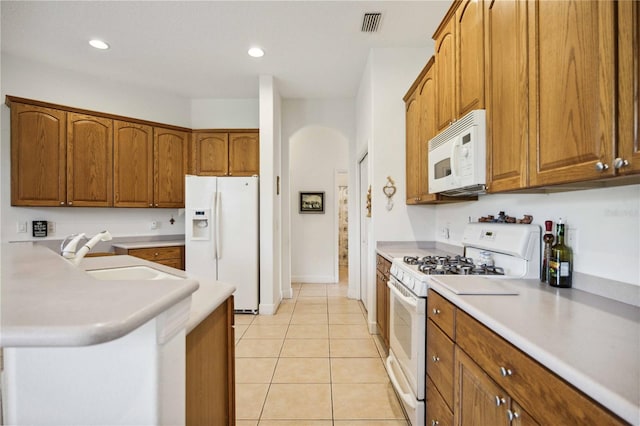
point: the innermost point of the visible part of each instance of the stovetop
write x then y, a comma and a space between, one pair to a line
447, 265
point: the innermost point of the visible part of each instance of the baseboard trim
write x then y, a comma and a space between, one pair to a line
314, 279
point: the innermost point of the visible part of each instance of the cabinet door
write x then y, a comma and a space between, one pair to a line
38, 156
244, 154
211, 154
412, 122
629, 80
170, 153
438, 413
470, 56
210, 367
507, 94
445, 75
479, 401
89, 161
428, 107
572, 90
132, 165
520, 417
382, 311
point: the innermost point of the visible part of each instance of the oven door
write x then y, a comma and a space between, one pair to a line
407, 335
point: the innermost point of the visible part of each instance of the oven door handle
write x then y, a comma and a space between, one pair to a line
404, 299
407, 397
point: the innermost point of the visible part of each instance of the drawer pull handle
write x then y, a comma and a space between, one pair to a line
434, 423
436, 311
505, 372
500, 401
435, 358
512, 415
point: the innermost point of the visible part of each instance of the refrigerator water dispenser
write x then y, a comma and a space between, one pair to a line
200, 223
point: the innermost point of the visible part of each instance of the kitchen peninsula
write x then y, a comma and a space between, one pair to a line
90, 351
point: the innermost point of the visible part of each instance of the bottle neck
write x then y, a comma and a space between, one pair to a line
561, 234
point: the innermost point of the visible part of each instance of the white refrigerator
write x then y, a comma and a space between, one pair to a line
221, 234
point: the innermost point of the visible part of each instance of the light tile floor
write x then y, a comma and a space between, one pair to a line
313, 363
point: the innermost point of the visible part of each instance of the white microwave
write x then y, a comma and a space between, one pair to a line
457, 157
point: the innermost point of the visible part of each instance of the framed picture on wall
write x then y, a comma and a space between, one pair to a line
312, 202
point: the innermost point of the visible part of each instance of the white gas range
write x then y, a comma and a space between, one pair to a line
495, 250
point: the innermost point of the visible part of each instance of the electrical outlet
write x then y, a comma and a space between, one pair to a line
572, 239
51, 227
444, 232
21, 227
153, 225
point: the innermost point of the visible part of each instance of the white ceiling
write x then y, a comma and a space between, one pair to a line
314, 49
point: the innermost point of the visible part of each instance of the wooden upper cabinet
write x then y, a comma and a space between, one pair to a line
445, 72
572, 90
211, 154
469, 56
132, 164
412, 119
629, 80
38, 156
428, 128
170, 153
244, 154
506, 94
89, 161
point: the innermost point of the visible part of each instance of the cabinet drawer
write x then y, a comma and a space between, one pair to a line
442, 312
157, 253
439, 359
174, 263
548, 398
437, 411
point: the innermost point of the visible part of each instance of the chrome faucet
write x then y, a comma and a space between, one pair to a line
70, 252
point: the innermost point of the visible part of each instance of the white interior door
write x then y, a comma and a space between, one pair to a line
363, 187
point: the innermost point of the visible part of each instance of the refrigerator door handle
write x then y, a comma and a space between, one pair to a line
218, 219
212, 220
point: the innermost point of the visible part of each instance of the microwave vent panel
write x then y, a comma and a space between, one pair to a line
371, 22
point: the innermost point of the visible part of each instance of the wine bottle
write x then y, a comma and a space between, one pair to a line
561, 260
546, 254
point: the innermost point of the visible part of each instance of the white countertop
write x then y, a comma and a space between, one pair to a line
147, 244
590, 341
47, 301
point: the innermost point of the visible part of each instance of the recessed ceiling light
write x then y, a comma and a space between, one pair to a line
98, 44
256, 52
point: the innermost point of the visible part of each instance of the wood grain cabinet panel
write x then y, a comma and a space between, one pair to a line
132, 164
439, 358
438, 412
170, 163
89, 161
628, 87
428, 130
507, 95
210, 369
211, 154
38, 156
172, 256
445, 73
383, 298
244, 154
572, 100
412, 122
469, 56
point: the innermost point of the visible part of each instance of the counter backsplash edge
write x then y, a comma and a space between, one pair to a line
105, 246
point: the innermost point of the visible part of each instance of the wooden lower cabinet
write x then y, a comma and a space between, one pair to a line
172, 256
527, 394
210, 375
383, 297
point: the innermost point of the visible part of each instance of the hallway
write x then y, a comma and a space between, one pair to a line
313, 363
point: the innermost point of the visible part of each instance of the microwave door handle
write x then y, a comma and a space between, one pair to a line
454, 157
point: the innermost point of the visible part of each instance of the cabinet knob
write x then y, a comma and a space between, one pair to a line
505, 372
156, 205
619, 163
62, 203
70, 203
512, 415
435, 358
500, 401
150, 204
436, 311
155, 254
434, 423
601, 167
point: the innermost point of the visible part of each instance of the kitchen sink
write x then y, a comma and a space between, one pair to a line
131, 273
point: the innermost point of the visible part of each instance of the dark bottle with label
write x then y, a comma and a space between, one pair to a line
561, 261
546, 254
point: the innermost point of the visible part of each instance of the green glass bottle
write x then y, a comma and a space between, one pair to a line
561, 261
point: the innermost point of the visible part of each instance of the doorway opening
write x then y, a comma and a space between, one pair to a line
342, 192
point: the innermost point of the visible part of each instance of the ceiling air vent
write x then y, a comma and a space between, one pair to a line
371, 22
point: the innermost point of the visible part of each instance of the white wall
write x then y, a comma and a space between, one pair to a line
33, 80
317, 135
225, 113
316, 153
607, 221
270, 169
